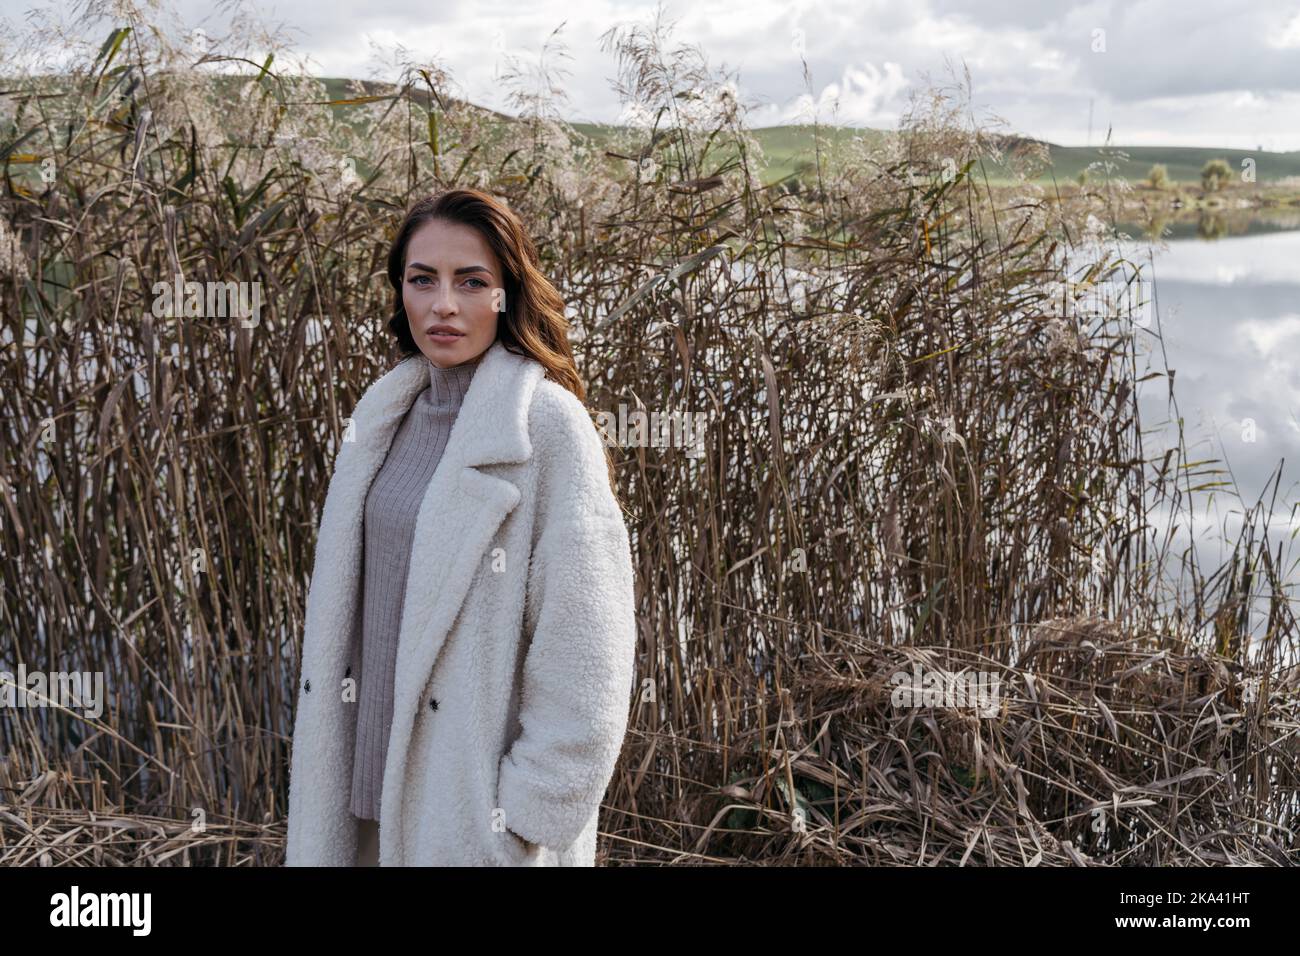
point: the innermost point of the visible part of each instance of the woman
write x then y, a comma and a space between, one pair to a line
468, 654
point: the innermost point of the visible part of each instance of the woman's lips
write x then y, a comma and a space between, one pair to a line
445, 337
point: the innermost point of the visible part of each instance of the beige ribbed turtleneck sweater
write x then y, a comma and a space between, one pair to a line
392, 506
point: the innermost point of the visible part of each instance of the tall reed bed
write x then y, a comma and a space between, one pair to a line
920, 454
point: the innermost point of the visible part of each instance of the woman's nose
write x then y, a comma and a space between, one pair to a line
444, 303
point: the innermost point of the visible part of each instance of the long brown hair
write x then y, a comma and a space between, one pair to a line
533, 323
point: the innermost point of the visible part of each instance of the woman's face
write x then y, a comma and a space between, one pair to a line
451, 289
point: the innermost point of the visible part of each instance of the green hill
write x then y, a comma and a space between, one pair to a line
790, 149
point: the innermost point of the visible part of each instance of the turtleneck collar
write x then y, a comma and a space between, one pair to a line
447, 386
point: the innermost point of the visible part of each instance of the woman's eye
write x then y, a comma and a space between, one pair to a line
481, 283
416, 280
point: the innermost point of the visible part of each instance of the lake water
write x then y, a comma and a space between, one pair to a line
1229, 323
1230, 320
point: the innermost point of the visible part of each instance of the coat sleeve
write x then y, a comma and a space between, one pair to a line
578, 669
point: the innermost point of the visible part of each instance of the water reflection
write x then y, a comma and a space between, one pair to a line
1229, 323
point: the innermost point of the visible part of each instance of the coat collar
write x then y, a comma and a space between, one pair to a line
491, 427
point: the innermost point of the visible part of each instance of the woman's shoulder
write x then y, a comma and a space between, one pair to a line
567, 448
558, 420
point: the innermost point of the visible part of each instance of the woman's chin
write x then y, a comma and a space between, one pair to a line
445, 355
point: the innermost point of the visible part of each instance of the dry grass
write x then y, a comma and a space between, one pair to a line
915, 453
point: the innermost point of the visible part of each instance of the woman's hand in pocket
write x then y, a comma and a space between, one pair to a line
523, 845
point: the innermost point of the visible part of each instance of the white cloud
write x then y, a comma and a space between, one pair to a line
1288, 38
859, 98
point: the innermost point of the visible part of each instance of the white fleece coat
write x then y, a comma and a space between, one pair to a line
517, 644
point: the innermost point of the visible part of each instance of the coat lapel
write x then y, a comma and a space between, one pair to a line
461, 508
461, 511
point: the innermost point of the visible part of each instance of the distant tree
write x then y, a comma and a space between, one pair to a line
1158, 177
1083, 177
1215, 175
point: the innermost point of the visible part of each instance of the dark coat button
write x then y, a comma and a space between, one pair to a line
433, 704
306, 685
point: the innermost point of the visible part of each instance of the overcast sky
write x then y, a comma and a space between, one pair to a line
1163, 72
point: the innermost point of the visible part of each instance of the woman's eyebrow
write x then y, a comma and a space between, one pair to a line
461, 271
